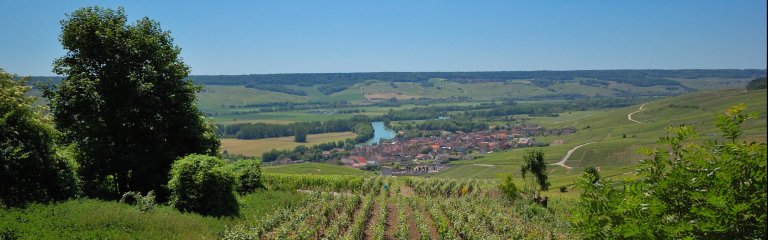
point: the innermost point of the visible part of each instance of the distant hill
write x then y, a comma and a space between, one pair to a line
642, 78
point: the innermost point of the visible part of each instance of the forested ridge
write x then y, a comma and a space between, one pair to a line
333, 82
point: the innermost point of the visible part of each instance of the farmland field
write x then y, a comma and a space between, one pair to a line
612, 152
258, 146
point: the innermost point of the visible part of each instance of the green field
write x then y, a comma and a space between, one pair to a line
256, 147
612, 153
315, 169
217, 99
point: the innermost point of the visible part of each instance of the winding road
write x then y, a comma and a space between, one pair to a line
629, 116
568, 154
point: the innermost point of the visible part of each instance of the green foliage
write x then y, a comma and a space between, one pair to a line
508, 188
124, 102
757, 83
300, 135
202, 184
364, 132
592, 174
533, 162
730, 122
31, 168
247, 175
95, 219
143, 203
688, 189
330, 183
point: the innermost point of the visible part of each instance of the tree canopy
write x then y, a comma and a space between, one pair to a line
31, 168
533, 162
124, 102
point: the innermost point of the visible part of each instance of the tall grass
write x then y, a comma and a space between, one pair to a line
97, 219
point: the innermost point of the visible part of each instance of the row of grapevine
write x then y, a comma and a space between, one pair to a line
402, 220
307, 220
379, 224
418, 217
342, 217
358, 214
358, 225
438, 187
322, 183
443, 225
491, 218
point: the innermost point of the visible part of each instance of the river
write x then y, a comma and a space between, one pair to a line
380, 132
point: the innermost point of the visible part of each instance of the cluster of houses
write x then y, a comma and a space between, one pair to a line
421, 155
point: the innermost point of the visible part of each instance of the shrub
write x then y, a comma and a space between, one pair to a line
142, 203
202, 184
32, 169
508, 188
247, 175
592, 174
687, 190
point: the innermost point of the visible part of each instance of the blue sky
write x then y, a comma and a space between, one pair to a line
243, 37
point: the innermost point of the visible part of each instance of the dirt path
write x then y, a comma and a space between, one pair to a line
629, 116
406, 191
568, 154
389, 231
484, 165
413, 230
368, 224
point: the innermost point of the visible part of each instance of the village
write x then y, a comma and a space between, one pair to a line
404, 155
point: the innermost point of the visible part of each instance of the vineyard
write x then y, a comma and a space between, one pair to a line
354, 207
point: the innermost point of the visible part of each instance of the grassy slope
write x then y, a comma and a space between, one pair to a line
314, 169
258, 146
614, 154
96, 219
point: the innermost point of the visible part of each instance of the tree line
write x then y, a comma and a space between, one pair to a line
451, 125
355, 124
311, 153
334, 82
639, 77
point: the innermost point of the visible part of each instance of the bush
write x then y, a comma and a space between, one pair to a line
592, 174
202, 184
687, 190
142, 203
508, 188
32, 169
247, 175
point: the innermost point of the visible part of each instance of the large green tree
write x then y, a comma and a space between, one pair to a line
125, 103
31, 169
